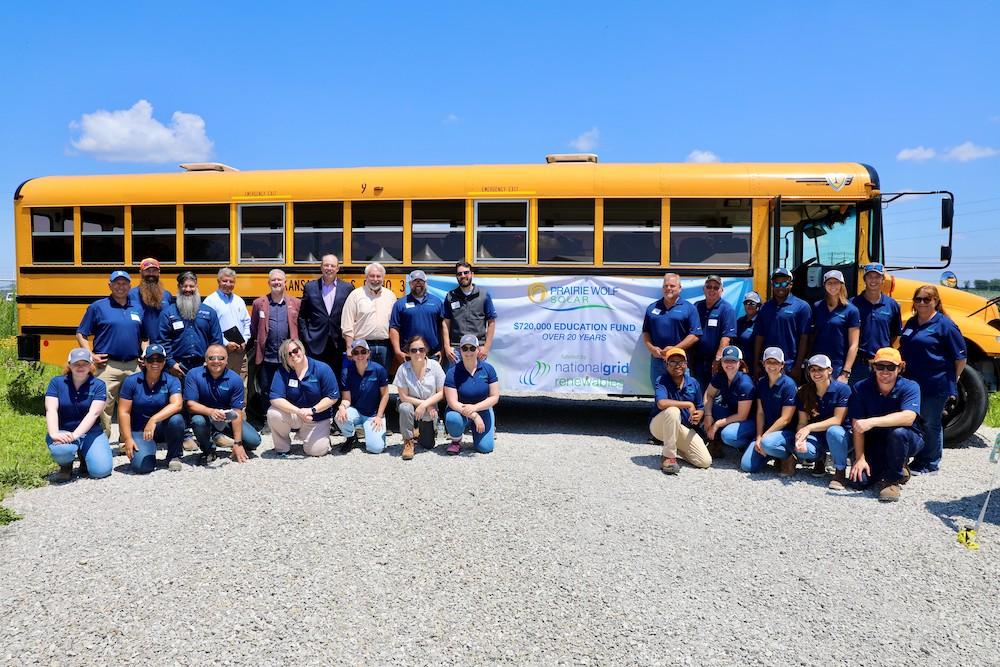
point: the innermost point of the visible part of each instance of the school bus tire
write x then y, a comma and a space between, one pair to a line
966, 415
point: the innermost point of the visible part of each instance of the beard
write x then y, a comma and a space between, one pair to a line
151, 294
188, 306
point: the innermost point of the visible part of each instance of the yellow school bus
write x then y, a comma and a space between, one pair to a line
570, 218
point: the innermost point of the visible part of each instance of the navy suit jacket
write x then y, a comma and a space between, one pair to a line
316, 327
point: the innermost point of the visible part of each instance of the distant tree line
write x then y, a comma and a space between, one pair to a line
983, 284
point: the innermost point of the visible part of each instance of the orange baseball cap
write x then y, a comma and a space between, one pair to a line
674, 351
890, 354
148, 263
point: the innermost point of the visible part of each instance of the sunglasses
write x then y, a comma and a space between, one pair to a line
713, 287
885, 368
216, 358
677, 362
463, 273
749, 303
414, 350
294, 351
781, 285
469, 348
155, 359
923, 299
360, 352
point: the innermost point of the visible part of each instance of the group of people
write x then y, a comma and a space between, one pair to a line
177, 370
874, 389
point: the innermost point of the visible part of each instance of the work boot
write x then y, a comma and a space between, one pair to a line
839, 481
408, 450
349, 444
889, 492
715, 449
819, 468
64, 475
788, 466
191, 445
906, 475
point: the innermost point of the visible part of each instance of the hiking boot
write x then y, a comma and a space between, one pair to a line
222, 440
64, 475
787, 468
190, 445
407, 450
715, 449
889, 492
839, 481
669, 465
349, 444
455, 447
819, 468
906, 476
82, 470
174, 465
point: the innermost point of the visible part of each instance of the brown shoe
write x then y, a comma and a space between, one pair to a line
669, 465
191, 445
788, 466
407, 450
819, 468
64, 475
715, 449
889, 492
839, 481
906, 475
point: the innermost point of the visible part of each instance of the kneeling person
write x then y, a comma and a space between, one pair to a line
215, 398
682, 406
303, 393
364, 395
149, 412
471, 388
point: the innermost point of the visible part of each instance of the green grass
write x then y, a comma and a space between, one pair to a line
993, 413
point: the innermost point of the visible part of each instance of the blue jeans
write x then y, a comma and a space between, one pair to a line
380, 354
456, 424
204, 428
92, 447
779, 445
740, 436
833, 440
374, 440
887, 451
170, 432
932, 410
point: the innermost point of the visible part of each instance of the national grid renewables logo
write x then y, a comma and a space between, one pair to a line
570, 297
535, 372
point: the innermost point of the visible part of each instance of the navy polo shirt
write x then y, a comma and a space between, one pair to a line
716, 322
930, 352
146, 400
150, 316
318, 383
412, 318
188, 338
838, 395
669, 326
775, 398
74, 404
868, 401
690, 390
365, 389
831, 328
117, 329
730, 394
782, 325
222, 393
880, 323
744, 337
471, 388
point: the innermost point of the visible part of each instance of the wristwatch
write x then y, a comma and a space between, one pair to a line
313, 408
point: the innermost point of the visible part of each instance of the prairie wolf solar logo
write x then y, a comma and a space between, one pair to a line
535, 372
570, 297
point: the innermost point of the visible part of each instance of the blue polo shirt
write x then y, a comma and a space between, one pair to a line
831, 329
669, 326
690, 390
74, 404
881, 323
365, 389
222, 393
774, 398
471, 388
318, 383
782, 325
150, 316
744, 337
146, 400
716, 322
930, 352
730, 394
117, 329
188, 338
411, 318
867, 401
837, 396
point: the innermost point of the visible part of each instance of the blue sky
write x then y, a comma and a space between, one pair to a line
297, 85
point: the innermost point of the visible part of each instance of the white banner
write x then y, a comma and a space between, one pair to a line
576, 334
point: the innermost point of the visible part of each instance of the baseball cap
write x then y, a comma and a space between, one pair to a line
775, 353
713, 276
154, 348
360, 342
149, 263
752, 297
781, 271
115, 275
732, 352
80, 354
675, 351
820, 360
834, 274
469, 339
418, 275
890, 354
876, 267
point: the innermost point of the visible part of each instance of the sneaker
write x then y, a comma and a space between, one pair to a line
787, 466
280, 455
715, 450
64, 475
889, 492
669, 466
349, 444
455, 447
839, 481
190, 445
222, 440
407, 450
819, 468
174, 465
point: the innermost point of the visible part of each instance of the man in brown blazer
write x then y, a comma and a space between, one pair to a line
273, 319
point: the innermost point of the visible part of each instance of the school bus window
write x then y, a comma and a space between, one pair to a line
377, 232
502, 231
262, 232
632, 231
154, 233
566, 230
102, 234
438, 231
710, 231
206, 233
52, 235
319, 230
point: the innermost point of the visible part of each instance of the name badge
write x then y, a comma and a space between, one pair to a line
455, 305
178, 325
713, 323
293, 383
410, 304
656, 311
908, 332
136, 318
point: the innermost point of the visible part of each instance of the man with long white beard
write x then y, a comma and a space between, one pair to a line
150, 298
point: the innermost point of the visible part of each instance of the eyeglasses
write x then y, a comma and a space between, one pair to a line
677, 362
469, 348
463, 273
781, 285
359, 352
155, 359
922, 299
216, 358
414, 350
294, 351
885, 368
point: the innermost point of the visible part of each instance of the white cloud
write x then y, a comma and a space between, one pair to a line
969, 151
451, 119
918, 154
587, 141
698, 155
133, 135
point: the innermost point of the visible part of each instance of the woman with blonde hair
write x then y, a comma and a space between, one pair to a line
836, 326
303, 393
74, 402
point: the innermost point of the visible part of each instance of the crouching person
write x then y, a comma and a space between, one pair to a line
471, 388
364, 397
682, 406
303, 393
74, 401
215, 399
149, 409
885, 425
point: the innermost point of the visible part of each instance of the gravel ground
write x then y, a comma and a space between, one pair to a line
566, 545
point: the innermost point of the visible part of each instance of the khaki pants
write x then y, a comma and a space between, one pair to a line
315, 435
679, 440
113, 374
237, 363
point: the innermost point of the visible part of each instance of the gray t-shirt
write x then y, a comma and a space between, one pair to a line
423, 387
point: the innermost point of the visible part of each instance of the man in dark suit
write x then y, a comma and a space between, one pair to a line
319, 317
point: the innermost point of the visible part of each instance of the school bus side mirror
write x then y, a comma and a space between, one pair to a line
947, 212
945, 253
